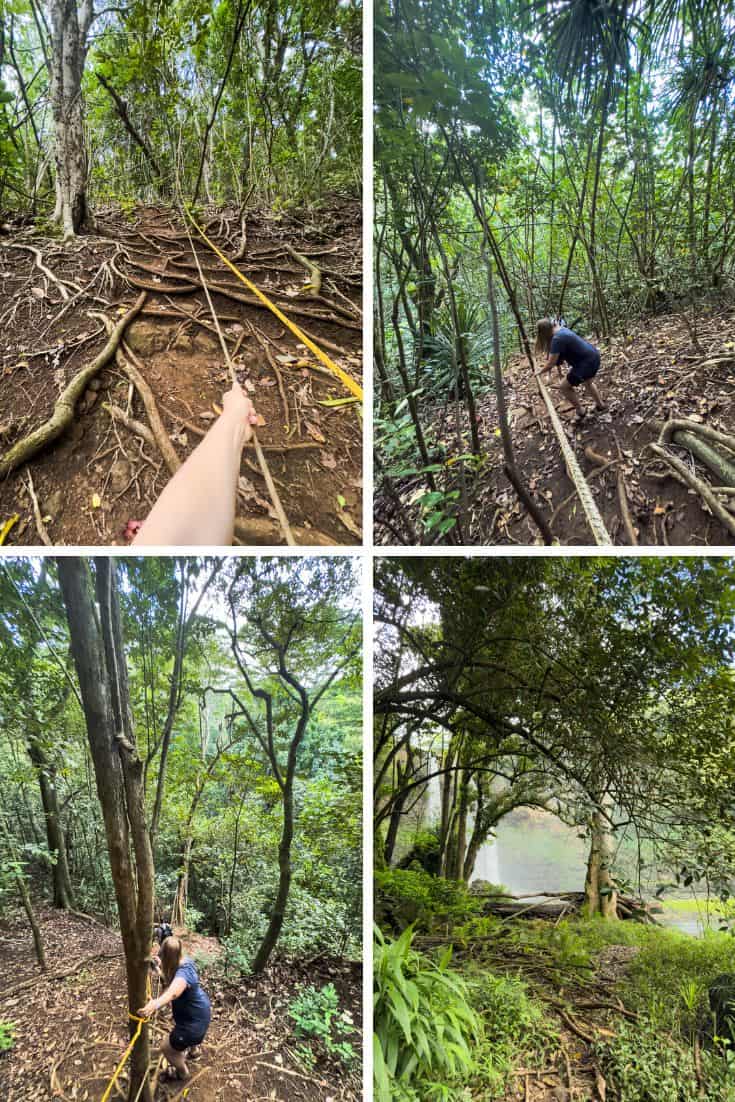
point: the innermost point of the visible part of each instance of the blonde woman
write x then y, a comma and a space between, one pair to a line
189, 1003
562, 345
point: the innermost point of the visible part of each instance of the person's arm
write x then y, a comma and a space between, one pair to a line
551, 360
177, 987
198, 505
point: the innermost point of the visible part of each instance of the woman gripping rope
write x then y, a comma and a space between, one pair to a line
562, 345
189, 1003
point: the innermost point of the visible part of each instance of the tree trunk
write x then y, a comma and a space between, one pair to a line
284, 882
181, 902
24, 895
600, 895
46, 773
70, 25
95, 631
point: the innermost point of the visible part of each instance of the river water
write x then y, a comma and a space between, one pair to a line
533, 851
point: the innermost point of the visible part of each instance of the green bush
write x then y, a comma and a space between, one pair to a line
317, 1018
412, 897
425, 1027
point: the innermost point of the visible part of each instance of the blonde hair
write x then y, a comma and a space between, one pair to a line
544, 333
170, 957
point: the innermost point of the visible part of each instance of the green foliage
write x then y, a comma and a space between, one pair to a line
413, 897
317, 1018
425, 1027
514, 1023
642, 1069
7, 1036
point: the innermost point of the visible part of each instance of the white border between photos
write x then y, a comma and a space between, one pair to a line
367, 549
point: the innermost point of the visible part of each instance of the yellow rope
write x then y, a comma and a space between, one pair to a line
594, 517
265, 470
131, 1046
350, 383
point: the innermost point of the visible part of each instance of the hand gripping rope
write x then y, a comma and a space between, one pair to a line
273, 492
594, 518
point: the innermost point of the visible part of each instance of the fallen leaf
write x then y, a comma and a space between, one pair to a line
327, 460
314, 433
349, 524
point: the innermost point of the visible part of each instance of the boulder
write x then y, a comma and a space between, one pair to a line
146, 337
483, 887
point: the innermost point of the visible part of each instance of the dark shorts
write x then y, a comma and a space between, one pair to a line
578, 375
181, 1038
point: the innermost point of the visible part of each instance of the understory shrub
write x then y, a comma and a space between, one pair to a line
318, 1018
311, 925
412, 897
425, 1028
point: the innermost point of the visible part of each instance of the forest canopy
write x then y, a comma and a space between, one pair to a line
241, 102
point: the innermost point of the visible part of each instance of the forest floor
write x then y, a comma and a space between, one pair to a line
590, 1010
71, 1023
650, 373
102, 474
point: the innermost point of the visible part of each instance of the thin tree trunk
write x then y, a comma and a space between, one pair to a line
95, 631
25, 898
63, 895
240, 17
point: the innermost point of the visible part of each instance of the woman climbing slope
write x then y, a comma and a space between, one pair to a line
561, 345
190, 1005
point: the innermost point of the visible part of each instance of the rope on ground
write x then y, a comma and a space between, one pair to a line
133, 1041
265, 470
350, 383
594, 517
126, 1055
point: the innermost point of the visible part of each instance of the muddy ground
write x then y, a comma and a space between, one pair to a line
650, 373
71, 1025
101, 475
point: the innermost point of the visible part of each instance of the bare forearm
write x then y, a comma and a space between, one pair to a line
198, 504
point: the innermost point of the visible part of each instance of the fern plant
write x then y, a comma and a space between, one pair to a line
425, 1028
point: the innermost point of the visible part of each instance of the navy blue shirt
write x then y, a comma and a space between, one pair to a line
192, 1009
581, 356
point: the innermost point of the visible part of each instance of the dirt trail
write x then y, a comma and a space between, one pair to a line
100, 475
651, 373
70, 1030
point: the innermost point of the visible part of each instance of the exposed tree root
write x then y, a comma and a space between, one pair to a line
249, 530
63, 412
131, 365
692, 436
42, 268
315, 275
40, 526
697, 484
623, 501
